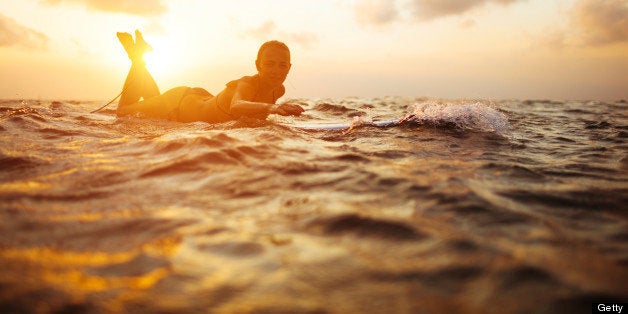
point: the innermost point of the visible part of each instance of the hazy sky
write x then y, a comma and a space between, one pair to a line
491, 49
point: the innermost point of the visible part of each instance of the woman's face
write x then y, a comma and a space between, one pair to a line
273, 66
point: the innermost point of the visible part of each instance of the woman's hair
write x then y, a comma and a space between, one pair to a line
272, 43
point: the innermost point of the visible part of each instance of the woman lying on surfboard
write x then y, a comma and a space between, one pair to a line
252, 96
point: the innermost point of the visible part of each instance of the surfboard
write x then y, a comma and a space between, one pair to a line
341, 126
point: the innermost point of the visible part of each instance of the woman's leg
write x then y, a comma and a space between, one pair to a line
139, 82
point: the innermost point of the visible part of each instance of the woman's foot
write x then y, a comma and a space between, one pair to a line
135, 50
127, 42
140, 44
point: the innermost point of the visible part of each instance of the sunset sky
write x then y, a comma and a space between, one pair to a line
489, 49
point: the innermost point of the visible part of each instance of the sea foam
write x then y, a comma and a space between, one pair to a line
473, 116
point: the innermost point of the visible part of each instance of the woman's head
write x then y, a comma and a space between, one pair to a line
272, 44
273, 62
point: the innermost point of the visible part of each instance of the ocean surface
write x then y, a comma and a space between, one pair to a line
464, 206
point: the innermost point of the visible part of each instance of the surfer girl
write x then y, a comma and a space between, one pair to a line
250, 96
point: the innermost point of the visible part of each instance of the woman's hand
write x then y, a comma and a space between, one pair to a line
287, 109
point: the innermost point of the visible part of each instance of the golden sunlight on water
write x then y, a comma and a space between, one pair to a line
106, 215
79, 274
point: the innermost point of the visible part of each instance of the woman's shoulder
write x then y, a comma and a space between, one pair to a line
252, 79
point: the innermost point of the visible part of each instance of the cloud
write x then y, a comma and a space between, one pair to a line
305, 39
591, 23
268, 30
467, 23
601, 22
14, 34
382, 12
426, 10
261, 32
375, 12
135, 7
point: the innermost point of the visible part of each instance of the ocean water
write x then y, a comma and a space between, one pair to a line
462, 207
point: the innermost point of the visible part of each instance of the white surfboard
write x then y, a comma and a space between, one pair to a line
341, 126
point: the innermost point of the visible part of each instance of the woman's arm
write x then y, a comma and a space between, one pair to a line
241, 104
250, 108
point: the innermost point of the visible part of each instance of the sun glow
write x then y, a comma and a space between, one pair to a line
367, 50
165, 59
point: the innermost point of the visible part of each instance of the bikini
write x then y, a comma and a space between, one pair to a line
202, 92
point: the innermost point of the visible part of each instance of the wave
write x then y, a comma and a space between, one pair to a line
424, 199
366, 227
333, 108
476, 116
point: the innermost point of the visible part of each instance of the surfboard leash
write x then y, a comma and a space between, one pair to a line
109, 103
